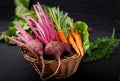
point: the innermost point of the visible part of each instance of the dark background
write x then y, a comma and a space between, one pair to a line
94, 12
102, 15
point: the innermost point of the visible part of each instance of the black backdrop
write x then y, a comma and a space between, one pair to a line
95, 7
102, 15
86, 10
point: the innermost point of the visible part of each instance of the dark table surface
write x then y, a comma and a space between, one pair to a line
102, 16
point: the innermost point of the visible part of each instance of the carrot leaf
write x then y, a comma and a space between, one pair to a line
59, 18
102, 47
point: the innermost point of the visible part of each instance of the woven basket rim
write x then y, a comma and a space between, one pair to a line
75, 56
64, 59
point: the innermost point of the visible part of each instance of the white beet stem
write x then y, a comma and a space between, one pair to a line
59, 63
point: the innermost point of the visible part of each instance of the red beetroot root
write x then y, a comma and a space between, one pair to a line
55, 50
38, 48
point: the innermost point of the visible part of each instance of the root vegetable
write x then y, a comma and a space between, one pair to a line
78, 41
62, 36
73, 43
37, 47
55, 50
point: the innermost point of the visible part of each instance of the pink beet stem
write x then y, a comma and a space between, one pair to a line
14, 40
55, 33
56, 37
23, 32
29, 36
34, 31
38, 15
50, 27
42, 23
22, 38
46, 19
45, 28
39, 28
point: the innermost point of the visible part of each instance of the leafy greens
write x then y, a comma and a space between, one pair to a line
101, 48
22, 7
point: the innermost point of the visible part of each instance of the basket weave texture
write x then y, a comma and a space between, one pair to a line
68, 66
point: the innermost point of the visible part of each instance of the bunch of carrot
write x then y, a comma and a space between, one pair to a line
64, 26
75, 41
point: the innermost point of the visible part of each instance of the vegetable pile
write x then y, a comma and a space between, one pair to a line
53, 35
50, 33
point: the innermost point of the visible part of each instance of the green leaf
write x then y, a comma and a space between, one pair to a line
83, 32
19, 10
11, 32
22, 7
101, 48
59, 18
25, 3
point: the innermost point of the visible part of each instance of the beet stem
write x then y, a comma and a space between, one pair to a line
45, 28
23, 32
39, 28
42, 20
50, 28
14, 40
34, 31
42, 23
22, 38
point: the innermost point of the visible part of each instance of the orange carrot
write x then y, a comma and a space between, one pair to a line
72, 43
78, 41
62, 36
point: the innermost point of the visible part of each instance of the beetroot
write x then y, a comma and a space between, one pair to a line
67, 49
37, 46
55, 49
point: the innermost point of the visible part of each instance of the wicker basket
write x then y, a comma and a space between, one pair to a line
68, 66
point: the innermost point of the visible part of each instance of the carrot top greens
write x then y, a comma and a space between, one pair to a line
60, 18
101, 48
